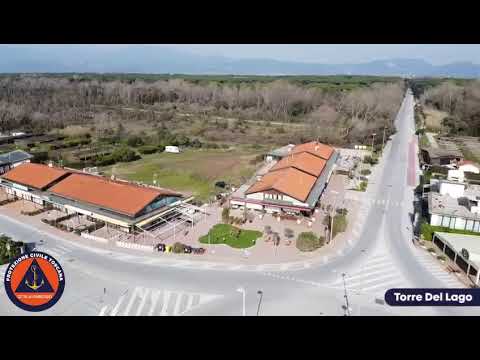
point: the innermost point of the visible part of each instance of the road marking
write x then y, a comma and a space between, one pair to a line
65, 250
166, 299
189, 303
155, 295
379, 280
54, 253
103, 310
176, 309
236, 267
117, 307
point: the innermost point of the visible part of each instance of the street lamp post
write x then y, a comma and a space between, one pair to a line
259, 292
383, 139
347, 305
242, 290
332, 215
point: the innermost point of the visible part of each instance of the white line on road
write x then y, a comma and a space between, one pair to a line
166, 299
178, 301
117, 307
155, 295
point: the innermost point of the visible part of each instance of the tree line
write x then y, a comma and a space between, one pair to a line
461, 102
45, 103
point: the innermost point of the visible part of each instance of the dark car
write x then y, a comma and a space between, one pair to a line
198, 251
160, 247
221, 184
187, 249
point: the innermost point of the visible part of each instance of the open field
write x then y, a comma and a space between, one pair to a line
192, 170
433, 119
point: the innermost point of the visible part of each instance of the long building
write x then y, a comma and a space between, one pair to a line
118, 203
294, 184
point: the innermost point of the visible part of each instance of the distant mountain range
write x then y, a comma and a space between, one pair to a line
164, 60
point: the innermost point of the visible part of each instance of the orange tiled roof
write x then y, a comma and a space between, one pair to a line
36, 176
289, 181
304, 161
121, 197
318, 149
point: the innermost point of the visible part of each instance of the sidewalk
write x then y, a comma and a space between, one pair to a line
223, 257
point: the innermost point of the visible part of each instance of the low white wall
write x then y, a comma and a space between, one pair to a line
94, 238
133, 246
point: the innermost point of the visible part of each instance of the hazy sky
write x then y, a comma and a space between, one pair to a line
343, 53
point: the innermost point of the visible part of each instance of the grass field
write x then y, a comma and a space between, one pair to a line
222, 234
194, 171
433, 119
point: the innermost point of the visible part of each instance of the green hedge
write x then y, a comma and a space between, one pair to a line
147, 149
427, 231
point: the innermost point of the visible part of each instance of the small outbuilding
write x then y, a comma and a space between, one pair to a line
172, 149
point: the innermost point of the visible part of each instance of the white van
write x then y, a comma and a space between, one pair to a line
172, 149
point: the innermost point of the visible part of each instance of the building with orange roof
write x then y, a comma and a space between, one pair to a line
119, 203
29, 180
294, 184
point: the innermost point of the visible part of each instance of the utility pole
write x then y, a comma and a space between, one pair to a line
383, 140
373, 141
347, 305
259, 292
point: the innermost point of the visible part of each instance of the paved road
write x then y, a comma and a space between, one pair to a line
99, 282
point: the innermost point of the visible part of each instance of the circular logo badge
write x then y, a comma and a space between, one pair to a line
34, 281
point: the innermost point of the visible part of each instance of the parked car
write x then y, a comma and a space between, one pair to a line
187, 249
198, 251
221, 184
160, 247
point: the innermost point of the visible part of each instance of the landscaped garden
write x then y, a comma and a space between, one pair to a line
231, 236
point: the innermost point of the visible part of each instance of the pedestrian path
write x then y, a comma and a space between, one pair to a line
143, 301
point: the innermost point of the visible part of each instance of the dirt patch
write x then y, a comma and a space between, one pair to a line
433, 119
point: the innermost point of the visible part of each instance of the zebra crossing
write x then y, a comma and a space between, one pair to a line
144, 301
449, 280
380, 273
58, 251
376, 275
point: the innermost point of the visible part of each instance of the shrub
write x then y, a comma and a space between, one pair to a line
9, 249
426, 231
370, 160
363, 186
178, 248
339, 224
147, 149
134, 141
365, 172
307, 241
